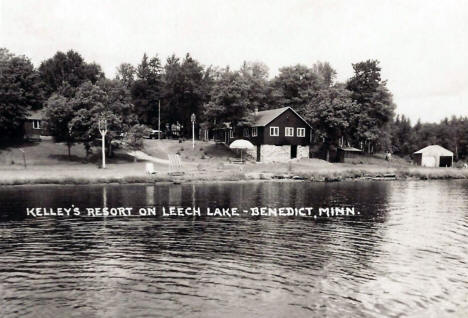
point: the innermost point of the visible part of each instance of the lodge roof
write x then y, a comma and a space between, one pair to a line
265, 117
36, 114
434, 150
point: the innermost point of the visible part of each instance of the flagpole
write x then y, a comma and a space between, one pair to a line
159, 119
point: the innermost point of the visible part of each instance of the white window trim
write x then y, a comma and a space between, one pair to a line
291, 131
231, 133
274, 129
36, 124
301, 132
254, 132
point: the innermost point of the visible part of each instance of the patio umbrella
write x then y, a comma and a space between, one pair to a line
241, 144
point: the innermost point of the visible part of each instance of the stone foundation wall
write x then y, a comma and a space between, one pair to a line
271, 153
302, 152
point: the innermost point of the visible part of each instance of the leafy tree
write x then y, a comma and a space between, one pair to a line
186, 89
67, 68
146, 90
331, 113
5, 56
126, 73
295, 86
134, 137
376, 107
255, 76
59, 114
89, 104
229, 100
325, 72
108, 100
402, 136
120, 106
20, 92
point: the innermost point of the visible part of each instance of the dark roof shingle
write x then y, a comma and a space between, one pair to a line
265, 117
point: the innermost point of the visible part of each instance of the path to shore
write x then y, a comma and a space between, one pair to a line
140, 155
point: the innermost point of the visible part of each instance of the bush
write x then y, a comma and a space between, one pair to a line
134, 138
460, 164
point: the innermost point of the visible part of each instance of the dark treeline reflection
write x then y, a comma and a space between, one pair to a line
212, 266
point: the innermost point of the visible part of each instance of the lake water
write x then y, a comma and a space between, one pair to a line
404, 254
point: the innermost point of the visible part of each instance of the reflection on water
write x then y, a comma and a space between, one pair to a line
406, 254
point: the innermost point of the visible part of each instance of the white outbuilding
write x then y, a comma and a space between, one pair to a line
433, 156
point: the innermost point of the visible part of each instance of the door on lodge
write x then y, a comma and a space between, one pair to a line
293, 151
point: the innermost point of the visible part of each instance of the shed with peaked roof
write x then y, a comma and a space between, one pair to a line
433, 156
343, 153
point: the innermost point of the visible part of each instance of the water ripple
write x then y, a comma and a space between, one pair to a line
403, 256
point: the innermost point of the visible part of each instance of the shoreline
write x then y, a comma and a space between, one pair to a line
134, 174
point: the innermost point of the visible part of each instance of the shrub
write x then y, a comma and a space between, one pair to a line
134, 138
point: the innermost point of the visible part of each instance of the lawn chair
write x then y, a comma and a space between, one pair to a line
150, 168
175, 165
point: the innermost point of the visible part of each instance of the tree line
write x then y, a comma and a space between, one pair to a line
74, 94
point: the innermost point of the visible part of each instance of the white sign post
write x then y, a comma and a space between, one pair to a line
159, 120
103, 131
192, 118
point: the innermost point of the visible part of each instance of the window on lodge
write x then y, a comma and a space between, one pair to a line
231, 133
254, 132
246, 132
36, 124
274, 131
300, 132
289, 132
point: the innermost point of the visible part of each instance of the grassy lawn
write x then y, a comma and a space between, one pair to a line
49, 153
48, 162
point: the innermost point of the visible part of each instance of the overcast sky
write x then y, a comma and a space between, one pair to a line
422, 45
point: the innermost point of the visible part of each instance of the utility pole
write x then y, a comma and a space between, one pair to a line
193, 130
103, 131
159, 119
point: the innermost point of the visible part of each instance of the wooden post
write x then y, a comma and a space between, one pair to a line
192, 118
103, 131
159, 120
24, 157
